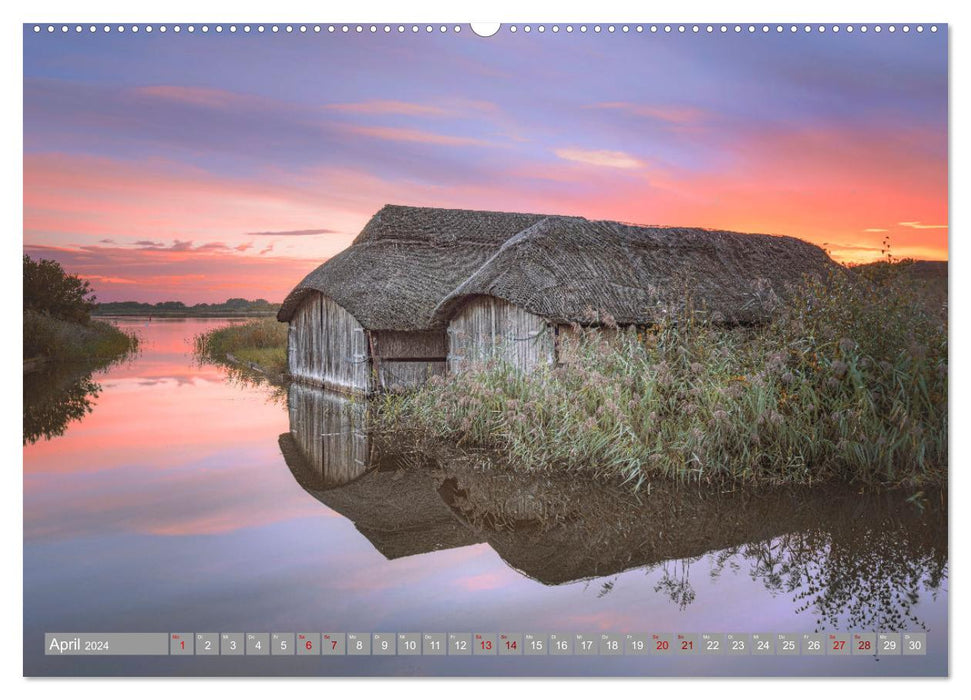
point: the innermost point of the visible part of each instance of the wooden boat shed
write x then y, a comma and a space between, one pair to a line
423, 291
362, 321
562, 272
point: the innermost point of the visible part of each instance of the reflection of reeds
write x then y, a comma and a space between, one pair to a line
853, 561
848, 382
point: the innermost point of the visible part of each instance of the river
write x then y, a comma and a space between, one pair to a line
162, 495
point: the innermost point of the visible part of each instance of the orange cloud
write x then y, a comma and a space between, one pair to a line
920, 226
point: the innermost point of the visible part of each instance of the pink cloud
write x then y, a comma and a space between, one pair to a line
665, 113
390, 133
599, 158
395, 107
200, 96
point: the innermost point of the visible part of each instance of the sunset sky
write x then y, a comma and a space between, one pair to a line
198, 167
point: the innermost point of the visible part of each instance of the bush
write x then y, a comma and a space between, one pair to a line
50, 290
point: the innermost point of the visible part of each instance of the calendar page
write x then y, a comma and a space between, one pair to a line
519, 349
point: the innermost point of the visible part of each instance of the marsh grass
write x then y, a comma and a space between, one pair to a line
262, 342
849, 382
58, 340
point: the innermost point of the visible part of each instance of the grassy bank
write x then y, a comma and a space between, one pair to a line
848, 383
261, 342
58, 340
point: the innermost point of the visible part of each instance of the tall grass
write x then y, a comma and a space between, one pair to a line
262, 342
58, 340
849, 382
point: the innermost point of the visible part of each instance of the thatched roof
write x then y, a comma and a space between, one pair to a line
568, 269
405, 261
412, 268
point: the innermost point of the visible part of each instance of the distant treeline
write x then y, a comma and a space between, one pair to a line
231, 307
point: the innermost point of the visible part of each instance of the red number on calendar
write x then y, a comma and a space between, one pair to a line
309, 645
486, 644
662, 645
838, 645
182, 643
687, 645
510, 645
864, 645
333, 644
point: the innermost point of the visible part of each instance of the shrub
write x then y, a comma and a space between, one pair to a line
50, 290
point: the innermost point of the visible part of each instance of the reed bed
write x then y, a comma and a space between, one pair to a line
59, 340
262, 342
848, 382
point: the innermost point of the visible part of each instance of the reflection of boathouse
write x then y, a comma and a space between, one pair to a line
336, 460
557, 529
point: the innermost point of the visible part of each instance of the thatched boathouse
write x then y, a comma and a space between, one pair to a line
567, 271
362, 321
424, 291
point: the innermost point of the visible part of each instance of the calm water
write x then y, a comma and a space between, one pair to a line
162, 496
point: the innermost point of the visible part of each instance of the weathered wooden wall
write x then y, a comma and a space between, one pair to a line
327, 347
331, 433
403, 359
487, 327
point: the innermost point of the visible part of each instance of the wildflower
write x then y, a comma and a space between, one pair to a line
839, 368
787, 378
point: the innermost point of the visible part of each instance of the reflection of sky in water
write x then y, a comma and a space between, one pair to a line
170, 508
